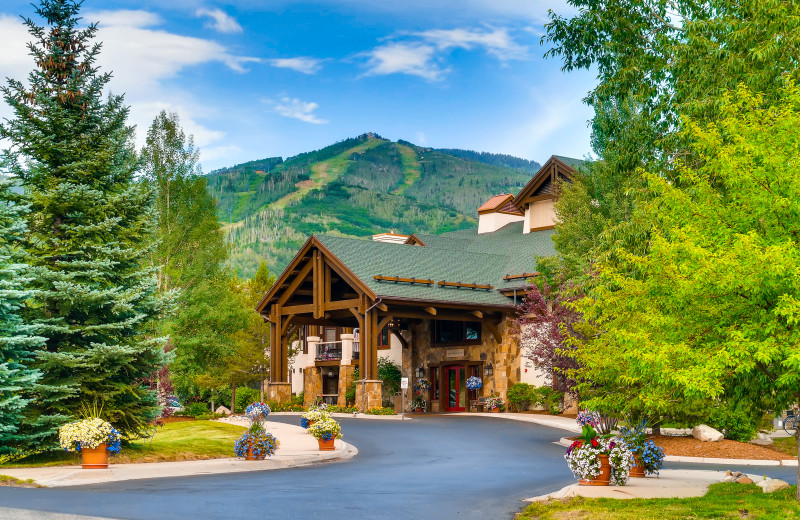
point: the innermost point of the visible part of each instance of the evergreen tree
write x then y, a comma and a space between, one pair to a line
90, 227
18, 340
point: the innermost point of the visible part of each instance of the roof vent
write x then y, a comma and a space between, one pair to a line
393, 238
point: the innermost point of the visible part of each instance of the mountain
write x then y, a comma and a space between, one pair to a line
355, 187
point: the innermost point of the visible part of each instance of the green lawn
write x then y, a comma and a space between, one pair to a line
190, 440
722, 501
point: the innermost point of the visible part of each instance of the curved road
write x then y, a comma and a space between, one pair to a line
429, 467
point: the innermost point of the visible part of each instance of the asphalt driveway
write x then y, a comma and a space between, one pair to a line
431, 467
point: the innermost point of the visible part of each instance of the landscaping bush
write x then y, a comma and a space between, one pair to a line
381, 411
285, 407
245, 396
548, 399
196, 410
298, 399
521, 396
735, 423
341, 409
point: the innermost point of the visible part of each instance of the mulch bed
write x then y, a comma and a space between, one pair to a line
688, 446
543, 412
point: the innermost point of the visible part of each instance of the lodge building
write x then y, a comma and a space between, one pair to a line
441, 306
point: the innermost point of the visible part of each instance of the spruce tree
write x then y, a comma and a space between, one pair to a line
18, 340
90, 227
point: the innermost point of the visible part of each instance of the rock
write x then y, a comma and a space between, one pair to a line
706, 433
728, 478
770, 485
762, 440
744, 479
223, 410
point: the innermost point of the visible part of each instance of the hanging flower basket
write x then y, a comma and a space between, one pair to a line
422, 384
93, 438
257, 412
474, 383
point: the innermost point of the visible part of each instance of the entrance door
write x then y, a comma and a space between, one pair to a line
455, 376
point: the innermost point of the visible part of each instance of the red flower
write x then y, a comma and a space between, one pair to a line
594, 442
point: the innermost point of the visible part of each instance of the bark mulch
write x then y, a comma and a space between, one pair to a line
688, 446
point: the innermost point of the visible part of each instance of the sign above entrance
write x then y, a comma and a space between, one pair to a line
453, 353
403, 383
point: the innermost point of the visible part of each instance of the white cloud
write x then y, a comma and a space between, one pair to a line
220, 21
497, 42
142, 58
302, 64
297, 109
415, 59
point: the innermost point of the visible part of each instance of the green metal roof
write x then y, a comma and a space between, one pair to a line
459, 256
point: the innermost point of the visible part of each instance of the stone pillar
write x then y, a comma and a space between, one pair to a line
347, 349
280, 392
313, 385
346, 376
312, 347
373, 398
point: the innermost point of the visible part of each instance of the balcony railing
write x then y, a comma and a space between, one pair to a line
329, 351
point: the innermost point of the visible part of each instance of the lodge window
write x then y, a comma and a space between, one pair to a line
330, 335
456, 332
383, 339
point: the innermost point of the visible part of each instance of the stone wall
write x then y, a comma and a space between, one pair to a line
374, 397
312, 387
346, 377
504, 356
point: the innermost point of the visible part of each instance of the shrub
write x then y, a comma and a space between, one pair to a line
521, 396
548, 399
381, 411
245, 396
196, 410
389, 372
341, 409
735, 423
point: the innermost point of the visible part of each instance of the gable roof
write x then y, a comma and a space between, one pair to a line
461, 256
495, 203
542, 184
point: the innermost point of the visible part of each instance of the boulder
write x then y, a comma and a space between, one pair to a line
762, 439
744, 479
706, 433
770, 485
223, 410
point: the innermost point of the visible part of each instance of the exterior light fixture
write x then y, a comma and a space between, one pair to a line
419, 372
330, 372
488, 370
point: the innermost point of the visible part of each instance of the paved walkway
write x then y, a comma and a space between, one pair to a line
297, 448
671, 483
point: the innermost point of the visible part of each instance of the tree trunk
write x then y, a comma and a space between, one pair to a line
233, 399
262, 391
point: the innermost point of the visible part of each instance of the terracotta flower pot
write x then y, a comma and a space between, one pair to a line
311, 423
418, 410
495, 410
252, 456
638, 471
95, 458
325, 445
603, 478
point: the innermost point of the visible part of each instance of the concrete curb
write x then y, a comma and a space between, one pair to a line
339, 415
67, 476
710, 460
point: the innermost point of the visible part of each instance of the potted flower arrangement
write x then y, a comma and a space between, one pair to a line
313, 415
326, 431
422, 384
474, 383
648, 457
598, 460
494, 404
256, 443
419, 404
93, 438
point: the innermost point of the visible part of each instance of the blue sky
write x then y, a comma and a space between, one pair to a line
278, 77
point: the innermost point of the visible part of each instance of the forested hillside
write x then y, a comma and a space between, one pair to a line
355, 187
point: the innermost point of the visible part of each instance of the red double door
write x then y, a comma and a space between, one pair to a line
455, 388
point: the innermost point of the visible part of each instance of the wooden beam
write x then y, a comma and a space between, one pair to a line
493, 329
399, 337
382, 306
451, 316
294, 284
326, 288
286, 322
341, 304
383, 323
430, 310
298, 309
477, 314
319, 285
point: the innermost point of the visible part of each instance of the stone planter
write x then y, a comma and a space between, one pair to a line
325, 445
638, 471
95, 458
603, 478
